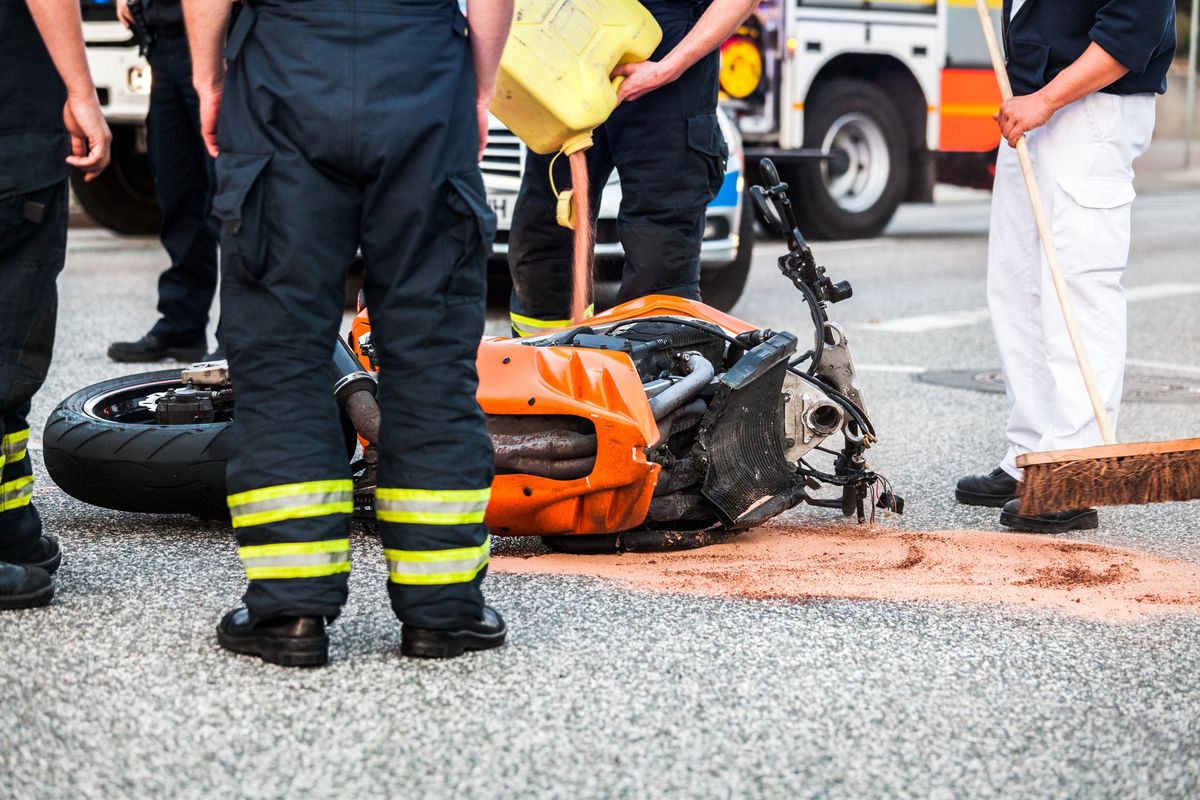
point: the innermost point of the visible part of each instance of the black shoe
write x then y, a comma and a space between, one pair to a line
215, 355
45, 554
24, 587
994, 489
484, 634
287, 641
152, 348
1082, 519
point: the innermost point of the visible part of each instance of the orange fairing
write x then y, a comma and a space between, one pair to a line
598, 385
662, 305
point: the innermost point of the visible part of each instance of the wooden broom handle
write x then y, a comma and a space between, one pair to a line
1039, 216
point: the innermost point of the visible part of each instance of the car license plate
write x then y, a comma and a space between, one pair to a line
502, 205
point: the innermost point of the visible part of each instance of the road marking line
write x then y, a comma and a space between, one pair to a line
922, 323
1188, 369
928, 322
1158, 291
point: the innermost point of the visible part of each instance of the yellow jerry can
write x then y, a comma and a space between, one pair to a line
554, 83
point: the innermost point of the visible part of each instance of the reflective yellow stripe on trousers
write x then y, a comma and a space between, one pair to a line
16, 493
13, 447
438, 567
295, 559
432, 506
291, 501
532, 326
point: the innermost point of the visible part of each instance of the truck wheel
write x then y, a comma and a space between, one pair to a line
103, 447
122, 198
722, 286
857, 202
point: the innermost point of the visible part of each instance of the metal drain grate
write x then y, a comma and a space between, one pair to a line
1138, 388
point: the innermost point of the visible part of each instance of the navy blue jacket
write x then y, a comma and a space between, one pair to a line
1047, 36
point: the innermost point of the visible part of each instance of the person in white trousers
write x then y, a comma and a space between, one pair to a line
1086, 119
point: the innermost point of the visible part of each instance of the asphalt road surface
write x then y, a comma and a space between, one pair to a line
119, 688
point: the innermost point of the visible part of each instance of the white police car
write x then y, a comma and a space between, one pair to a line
728, 232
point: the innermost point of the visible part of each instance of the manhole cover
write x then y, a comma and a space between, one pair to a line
1143, 388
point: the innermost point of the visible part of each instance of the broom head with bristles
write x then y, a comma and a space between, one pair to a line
1110, 475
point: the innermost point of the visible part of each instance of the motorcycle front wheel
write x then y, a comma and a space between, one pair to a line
103, 446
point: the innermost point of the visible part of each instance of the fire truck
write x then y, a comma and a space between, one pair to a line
864, 104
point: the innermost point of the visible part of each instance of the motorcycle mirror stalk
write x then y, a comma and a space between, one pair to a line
774, 210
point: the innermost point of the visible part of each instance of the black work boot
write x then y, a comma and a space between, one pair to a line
994, 489
24, 587
153, 348
45, 554
286, 641
1080, 519
483, 634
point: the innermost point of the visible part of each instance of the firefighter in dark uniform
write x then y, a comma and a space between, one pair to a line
183, 183
47, 124
665, 143
347, 125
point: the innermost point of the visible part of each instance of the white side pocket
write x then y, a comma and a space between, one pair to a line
1091, 223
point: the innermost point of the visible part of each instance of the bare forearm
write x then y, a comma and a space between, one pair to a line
206, 21
716, 25
1090, 73
489, 21
59, 23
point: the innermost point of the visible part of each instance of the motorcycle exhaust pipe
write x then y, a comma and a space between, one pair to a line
700, 372
355, 390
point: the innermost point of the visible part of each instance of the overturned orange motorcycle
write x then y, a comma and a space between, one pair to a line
661, 422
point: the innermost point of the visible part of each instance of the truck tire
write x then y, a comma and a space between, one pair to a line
859, 118
721, 287
103, 448
122, 198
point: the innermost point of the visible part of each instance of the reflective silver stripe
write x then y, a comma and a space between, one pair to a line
16, 493
278, 503
433, 506
306, 560
12, 446
438, 567
291, 501
287, 560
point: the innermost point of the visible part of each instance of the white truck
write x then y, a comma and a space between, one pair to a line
864, 104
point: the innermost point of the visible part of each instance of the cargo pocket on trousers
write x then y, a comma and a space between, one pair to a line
472, 229
1091, 223
239, 205
705, 137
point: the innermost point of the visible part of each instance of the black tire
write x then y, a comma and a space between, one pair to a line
142, 467
722, 287
122, 198
862, 119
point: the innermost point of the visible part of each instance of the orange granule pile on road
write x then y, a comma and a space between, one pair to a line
872, 563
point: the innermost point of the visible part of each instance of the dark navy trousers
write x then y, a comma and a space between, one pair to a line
348, 126
670, 155
183, 181
33, 242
